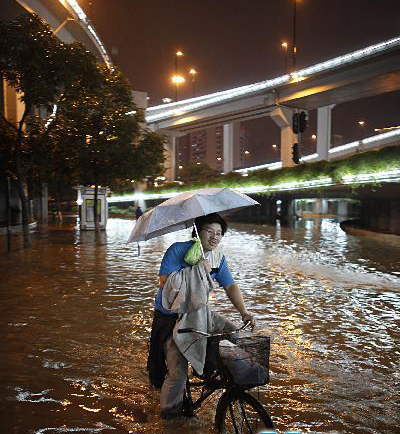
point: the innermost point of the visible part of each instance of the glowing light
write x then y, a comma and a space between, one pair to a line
166, 100
344, 147
247, 152
270, 166
179, 53
361, 123
177, 79
253, 189
385, 176
192, 72
285, 45
314, 136
296, 77
52, 116
382, 136
309, 157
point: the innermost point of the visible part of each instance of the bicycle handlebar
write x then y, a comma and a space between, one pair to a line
192, 330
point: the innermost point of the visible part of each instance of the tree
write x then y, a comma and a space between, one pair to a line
41, 70
105, 140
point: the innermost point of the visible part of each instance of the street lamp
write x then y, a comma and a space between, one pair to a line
193, 73
285, 46
177, 80
178, 54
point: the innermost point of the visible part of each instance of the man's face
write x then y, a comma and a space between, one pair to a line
210, 236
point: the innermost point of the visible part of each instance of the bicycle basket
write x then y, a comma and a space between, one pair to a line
247, 360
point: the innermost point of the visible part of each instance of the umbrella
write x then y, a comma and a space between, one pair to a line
180, 211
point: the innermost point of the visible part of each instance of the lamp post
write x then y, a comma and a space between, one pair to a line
294, 47
193, 73
285, 46
177, 80
177, 55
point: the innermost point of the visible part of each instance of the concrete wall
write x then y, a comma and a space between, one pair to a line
381, 215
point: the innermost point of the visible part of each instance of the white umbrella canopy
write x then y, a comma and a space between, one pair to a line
180, 211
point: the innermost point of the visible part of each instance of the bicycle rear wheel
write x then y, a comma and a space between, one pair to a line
241, 413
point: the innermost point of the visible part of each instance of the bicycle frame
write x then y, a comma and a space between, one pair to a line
212, 383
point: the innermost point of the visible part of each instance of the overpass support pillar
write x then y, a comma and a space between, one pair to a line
283, 118
321, 206
170, 158
228, 147
324, 116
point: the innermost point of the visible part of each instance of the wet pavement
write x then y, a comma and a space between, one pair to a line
76, 312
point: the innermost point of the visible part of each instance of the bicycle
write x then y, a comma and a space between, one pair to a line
237, 411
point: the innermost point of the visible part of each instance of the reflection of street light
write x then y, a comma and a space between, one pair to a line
193, 73
177, 80
166, 100
285, 46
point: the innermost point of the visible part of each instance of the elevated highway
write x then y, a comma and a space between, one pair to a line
363, 73
367, 72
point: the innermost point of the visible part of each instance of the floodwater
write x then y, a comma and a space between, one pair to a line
75, 315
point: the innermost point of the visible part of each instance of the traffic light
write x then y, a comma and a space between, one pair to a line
296, 153
302, 122
296, 123
299, 122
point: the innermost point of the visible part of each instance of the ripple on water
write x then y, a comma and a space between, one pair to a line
77, 314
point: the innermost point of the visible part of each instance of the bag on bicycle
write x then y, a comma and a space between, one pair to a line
245, 372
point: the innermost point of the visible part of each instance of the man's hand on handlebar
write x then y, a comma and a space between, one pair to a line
248, 318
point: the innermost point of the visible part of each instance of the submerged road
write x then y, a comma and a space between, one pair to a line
75, 315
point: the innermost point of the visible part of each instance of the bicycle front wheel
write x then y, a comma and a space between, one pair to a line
239, 413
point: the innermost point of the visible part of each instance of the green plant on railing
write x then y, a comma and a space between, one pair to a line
381, 160
126, 211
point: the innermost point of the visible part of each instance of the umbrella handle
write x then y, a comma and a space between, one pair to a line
197, 234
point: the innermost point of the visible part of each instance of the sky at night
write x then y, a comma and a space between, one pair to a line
233, 42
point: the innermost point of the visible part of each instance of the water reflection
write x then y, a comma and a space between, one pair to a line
76, 314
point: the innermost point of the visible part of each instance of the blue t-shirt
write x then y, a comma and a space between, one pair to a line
173, 261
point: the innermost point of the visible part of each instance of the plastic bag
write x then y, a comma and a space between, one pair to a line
193, 255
